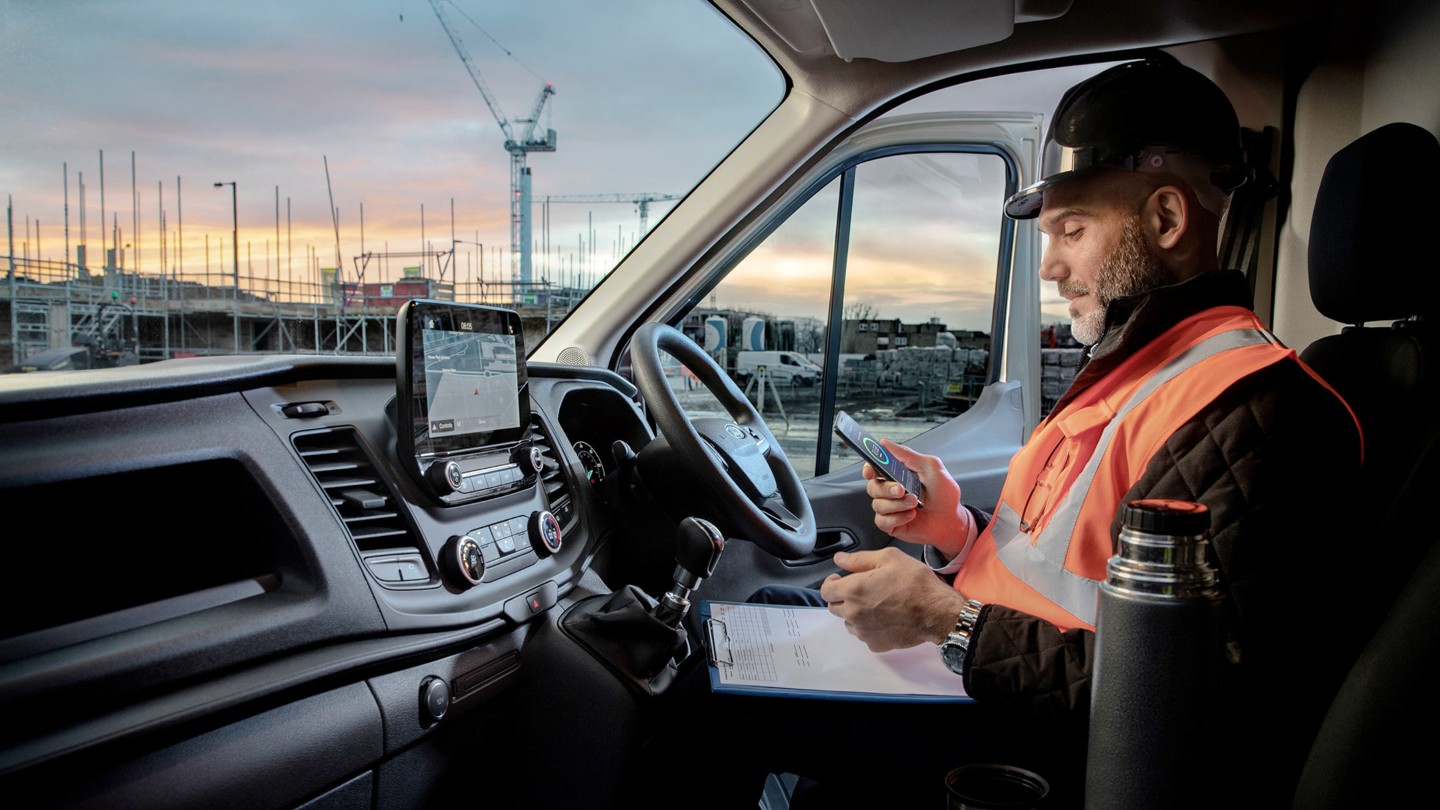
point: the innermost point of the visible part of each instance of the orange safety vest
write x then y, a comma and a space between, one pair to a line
1047, 545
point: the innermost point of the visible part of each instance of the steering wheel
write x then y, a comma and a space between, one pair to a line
740, 460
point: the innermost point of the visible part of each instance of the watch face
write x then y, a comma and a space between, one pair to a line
954, 657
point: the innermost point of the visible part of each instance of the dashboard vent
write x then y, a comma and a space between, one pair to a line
365, 502
557, 486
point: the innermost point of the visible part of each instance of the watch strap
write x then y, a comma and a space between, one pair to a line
957, 644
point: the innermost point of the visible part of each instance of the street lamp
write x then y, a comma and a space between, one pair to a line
235, 251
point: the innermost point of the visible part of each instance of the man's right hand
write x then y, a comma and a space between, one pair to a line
943, 522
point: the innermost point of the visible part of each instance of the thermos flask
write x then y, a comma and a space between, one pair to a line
1155, 696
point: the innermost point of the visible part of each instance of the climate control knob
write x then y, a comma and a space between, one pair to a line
462, 562
544, 533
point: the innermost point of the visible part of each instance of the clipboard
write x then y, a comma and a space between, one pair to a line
806, 652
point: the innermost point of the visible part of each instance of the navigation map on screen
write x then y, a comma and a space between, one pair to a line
471, 381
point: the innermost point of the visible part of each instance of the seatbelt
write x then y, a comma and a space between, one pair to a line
1244, 224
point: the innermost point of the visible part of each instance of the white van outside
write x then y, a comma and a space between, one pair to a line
782, 367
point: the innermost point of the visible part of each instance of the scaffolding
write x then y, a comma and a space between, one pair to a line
50, 304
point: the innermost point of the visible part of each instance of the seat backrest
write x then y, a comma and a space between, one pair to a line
1370, 262
1377, 745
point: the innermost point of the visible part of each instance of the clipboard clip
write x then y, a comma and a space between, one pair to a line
717, 647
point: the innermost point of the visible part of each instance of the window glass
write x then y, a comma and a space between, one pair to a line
275, 176
919, 295
774, 299
921, 277
1033, 92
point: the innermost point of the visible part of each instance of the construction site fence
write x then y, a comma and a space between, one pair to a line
50, 279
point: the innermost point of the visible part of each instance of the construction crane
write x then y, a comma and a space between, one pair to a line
641, 200
527, 142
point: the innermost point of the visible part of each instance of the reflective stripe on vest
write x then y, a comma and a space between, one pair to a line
1042, 565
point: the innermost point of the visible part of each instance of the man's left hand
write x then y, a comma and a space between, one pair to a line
891, 600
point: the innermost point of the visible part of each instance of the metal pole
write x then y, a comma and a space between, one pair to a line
235, 255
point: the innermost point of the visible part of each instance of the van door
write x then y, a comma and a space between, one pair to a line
894, 266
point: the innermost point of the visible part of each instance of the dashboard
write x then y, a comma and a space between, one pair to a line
217, 541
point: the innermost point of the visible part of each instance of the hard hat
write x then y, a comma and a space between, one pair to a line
1153, 115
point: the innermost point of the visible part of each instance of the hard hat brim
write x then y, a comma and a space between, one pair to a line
1026, 203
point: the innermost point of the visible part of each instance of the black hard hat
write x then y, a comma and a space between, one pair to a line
1138, 116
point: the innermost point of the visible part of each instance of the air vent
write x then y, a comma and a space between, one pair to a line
557, 486
367, 505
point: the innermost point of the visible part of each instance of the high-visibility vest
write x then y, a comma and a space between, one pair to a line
1048, 542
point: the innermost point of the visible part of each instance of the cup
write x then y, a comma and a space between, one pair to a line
994, 787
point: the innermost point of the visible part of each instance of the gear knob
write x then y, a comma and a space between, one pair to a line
697, 550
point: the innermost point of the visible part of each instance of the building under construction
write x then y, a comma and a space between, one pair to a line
119, 317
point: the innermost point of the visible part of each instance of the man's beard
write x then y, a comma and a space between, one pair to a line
1130, 269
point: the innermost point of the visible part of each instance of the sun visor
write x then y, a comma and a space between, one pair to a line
872, 29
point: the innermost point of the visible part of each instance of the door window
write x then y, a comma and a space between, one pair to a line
887, 278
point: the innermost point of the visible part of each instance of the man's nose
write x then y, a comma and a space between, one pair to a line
1052, 268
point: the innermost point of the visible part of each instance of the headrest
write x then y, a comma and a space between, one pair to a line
1369, 258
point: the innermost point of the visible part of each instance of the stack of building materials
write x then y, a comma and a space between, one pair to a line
1057, 369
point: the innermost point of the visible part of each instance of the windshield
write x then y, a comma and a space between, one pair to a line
191, 178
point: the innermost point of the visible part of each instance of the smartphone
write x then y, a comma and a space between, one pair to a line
869, 449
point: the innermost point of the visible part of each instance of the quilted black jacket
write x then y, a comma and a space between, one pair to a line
1274, 459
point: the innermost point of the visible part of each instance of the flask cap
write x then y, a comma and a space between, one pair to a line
1166, 516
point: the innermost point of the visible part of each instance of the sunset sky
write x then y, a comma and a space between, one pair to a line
649, 96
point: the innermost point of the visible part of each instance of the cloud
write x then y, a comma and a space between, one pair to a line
265, 93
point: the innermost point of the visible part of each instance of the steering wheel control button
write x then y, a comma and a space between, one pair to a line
462, 561
544, 533
434, 699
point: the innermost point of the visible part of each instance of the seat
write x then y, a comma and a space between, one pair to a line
1369, 262
1377, 743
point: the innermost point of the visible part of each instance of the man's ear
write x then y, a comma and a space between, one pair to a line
1168, 215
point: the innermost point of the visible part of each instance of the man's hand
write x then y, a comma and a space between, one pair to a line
891, 600
943, 522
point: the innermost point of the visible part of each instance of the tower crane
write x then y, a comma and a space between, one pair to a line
641, 200
527, 142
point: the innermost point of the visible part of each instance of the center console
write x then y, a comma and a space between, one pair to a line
462, 400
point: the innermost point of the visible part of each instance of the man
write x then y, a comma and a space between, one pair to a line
1184, 395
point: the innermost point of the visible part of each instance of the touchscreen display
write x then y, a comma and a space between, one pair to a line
461, 378
471, 383
860, 440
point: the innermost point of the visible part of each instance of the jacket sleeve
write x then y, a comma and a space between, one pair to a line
1270, 458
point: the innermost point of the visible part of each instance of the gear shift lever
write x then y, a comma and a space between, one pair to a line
640, 637
697, 550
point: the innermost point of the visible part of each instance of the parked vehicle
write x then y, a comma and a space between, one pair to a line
785, 368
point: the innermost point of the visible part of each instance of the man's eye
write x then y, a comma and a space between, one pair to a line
1073, 235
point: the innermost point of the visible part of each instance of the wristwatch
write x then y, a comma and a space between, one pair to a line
952, 650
